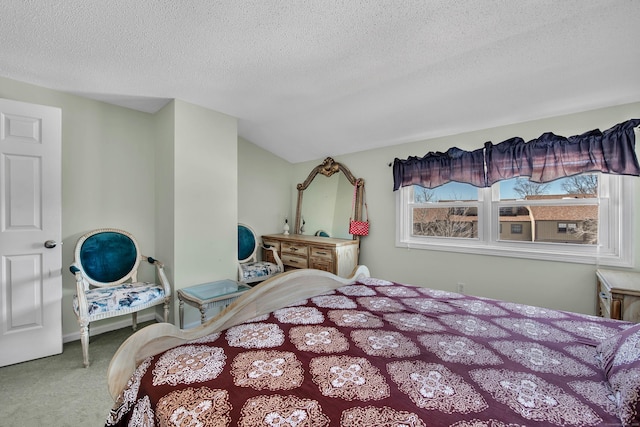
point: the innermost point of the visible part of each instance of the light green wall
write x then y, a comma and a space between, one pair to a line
164, 149
549, 284
206, 203
264, 189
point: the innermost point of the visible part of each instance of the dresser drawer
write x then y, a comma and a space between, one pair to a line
321, 264
321, 253
294, 248
294, 261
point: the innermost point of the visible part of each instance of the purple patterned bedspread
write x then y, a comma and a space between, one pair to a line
377, 353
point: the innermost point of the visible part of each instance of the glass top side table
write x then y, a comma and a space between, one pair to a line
220, 293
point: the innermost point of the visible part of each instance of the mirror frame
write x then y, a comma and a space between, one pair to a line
328, 168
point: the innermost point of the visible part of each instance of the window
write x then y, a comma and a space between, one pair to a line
576, 219
572, 227
451, 213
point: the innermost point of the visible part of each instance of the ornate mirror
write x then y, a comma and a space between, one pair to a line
328, 198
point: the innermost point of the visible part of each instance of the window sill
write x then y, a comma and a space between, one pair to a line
549, 252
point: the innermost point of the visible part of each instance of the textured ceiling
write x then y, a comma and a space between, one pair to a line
308, 79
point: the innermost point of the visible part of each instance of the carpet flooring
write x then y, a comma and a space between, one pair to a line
58, 391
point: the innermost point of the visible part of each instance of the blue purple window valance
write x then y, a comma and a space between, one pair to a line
542, 159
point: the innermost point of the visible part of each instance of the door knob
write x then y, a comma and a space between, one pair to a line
50, 244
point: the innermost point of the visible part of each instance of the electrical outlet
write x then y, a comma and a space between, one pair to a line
460, 287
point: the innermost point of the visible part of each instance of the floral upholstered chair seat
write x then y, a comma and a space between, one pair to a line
259, 270
114, 299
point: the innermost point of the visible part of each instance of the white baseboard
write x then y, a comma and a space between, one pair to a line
112, 326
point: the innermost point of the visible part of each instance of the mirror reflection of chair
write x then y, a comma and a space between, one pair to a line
250, 270
106, 271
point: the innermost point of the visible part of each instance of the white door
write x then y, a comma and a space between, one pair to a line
30, 215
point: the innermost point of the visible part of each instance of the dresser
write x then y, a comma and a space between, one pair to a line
337, 256
618, 294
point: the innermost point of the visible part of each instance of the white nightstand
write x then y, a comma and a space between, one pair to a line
618, 294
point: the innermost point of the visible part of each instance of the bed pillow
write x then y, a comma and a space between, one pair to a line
620, 361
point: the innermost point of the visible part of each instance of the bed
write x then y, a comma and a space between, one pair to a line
308, 348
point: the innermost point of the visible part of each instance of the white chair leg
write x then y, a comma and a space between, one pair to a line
84, 339
134, 317
166, 311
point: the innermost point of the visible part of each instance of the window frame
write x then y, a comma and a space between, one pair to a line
615, 205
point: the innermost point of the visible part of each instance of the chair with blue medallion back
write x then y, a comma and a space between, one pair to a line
106, 271
250, 270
